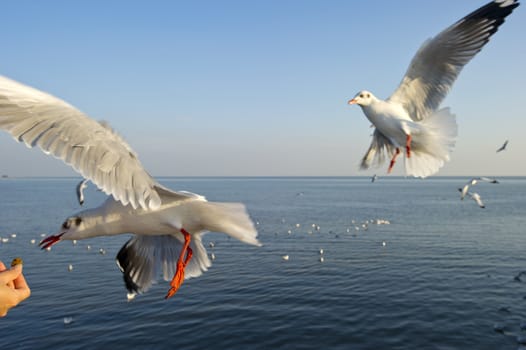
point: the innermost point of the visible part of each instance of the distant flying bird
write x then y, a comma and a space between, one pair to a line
168, 225
410, 118
474, 181
374, 178
503, 147
476, 197
80, 190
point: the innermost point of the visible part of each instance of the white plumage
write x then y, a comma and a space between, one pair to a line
168, 224
410, 118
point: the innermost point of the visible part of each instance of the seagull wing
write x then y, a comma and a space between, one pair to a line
380, 147
80, 190
464, 191
503, 147
143, 257
488, 179
92, 148
439, 60
476, 198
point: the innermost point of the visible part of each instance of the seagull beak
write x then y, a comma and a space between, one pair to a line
352, 102
51, 240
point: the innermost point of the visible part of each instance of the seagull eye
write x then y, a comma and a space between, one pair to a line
361, 95
78, 220
65, 225
368, 95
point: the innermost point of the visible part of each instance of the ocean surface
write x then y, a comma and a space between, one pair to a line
406, 265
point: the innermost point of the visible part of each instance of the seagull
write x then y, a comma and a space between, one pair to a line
503, 147
476, 197
410, 119
474, 181
167, 225
374, 178
80, 190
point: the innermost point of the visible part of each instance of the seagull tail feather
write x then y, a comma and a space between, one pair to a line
432, 144
229, 218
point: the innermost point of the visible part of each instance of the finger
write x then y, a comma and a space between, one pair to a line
10, 284
9, 275
22, 287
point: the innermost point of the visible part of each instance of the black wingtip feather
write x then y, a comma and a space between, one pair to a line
123, 259
492, 11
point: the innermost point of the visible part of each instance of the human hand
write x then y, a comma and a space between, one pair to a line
13, 288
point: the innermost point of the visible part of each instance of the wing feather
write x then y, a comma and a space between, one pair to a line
92, 148
438, 62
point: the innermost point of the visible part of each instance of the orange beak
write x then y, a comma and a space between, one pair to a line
353, 101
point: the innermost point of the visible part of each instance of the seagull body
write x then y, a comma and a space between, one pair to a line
80, 190
410, 118
168, 225
503, 147
474, 181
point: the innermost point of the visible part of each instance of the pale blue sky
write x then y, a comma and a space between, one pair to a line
256, 87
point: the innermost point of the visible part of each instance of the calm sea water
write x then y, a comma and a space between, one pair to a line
443, 280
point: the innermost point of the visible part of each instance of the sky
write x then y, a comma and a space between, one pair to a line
256, 88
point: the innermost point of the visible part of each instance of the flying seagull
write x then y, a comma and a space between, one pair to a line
474, 181
410, 119
476, 197
80, 190
503, 147
168, 225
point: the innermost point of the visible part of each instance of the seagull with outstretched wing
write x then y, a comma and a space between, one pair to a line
168, 225
410, 120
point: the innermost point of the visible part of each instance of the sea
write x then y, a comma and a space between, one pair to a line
346, 263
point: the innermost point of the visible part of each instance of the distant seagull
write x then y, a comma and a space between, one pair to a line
476, 197
374, 178
410, 118
503, 147
168, 225
285, 257
474, 181
80, 190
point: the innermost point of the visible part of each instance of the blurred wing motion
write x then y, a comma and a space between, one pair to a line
90, 147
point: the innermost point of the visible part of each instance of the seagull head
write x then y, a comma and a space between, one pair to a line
74, 227
363, 98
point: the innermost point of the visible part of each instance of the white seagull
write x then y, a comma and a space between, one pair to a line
80, 190
168, 225
476, 197
410, 118
503, 147
474, 181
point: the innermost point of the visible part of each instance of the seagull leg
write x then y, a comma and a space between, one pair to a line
184, 258
408, 145
393, 160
